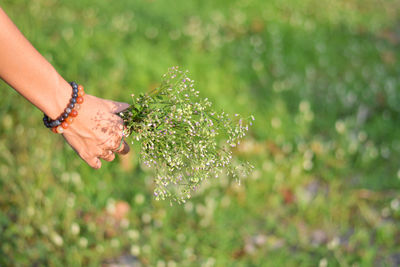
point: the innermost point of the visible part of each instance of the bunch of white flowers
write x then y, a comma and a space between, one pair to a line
182, 138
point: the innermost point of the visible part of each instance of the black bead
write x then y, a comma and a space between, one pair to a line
49, 123
74, 85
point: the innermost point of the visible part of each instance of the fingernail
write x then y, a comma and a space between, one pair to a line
98, 164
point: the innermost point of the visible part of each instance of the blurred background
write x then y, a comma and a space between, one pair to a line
322, 79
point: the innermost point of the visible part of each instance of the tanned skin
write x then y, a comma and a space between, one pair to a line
96, 133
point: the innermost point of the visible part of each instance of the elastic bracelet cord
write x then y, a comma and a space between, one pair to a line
71, 111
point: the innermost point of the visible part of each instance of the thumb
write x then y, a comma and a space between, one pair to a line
117, 107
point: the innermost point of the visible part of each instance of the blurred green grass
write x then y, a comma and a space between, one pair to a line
321, 78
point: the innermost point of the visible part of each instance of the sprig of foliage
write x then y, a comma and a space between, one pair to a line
182, 137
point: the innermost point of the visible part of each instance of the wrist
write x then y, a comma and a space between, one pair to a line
59, 100
64, 120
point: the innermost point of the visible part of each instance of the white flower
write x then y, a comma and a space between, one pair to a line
83, 242
139, 199
57, 239
135, 250
75, 229
180, 136
133, 234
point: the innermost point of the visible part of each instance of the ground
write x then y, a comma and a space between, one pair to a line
322, 80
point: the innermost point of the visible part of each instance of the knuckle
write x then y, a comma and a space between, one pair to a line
109, 158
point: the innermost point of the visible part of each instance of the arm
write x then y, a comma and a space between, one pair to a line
95, 133
28, 72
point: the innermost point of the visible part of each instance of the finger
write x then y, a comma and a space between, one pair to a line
117, 107
114, 142
124, 149
120, 122
110, 156
93, 162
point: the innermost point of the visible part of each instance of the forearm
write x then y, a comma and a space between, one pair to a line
29, 73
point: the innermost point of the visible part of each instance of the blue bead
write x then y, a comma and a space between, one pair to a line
67, 110
55, 123
74, 85
71, 105
75, 90
74, 95
73, 100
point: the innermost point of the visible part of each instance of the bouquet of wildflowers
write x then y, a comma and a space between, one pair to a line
182, 138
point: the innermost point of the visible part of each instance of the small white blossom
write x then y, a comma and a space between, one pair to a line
57, 239
133, 234
75, 229
135, 250
180, 136
83, 242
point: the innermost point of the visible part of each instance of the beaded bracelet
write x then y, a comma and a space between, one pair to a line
71, 111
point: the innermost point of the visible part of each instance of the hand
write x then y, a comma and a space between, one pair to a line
97, 132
